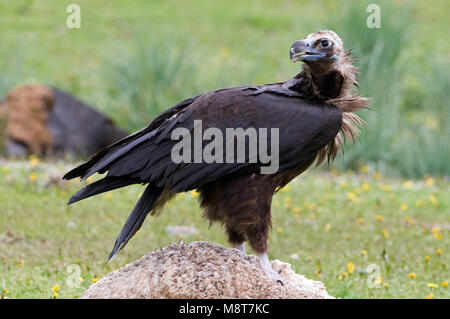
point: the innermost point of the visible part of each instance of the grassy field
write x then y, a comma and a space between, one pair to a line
133, 60
334, 227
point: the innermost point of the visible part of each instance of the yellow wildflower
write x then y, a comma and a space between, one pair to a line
351, 196
378, 281
437, 235
350, 267
287, 200
429, 182
55, 295
384, 187
327, 227
419, 203
386, 285
56, 288
408, 184
360, 220
5, 290
385, 233
430, 296
427, 258
379, 218
5, 169
280, 230
32, 177
366, 187
21, 263
34, 160
444, 283
412, 275
403, 207
363, 252
434, 230
296, 210
432, 285
364, 169
410, 220
377, 176
439, 251
108, 196
95, 279
433, 200
334, 171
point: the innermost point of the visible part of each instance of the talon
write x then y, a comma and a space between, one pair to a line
268, 269
241, 247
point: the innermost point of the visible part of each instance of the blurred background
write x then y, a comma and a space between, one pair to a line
133, 61
385, 202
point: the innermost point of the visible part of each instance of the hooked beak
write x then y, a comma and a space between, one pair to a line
301, 51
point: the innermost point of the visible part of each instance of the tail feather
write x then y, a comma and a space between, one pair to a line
136, 218
106, 184
81, 170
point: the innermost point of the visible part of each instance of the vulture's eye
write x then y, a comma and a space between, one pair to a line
325, 44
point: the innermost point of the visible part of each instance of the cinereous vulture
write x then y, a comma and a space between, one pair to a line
312, 114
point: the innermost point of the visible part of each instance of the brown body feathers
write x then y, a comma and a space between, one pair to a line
313, 112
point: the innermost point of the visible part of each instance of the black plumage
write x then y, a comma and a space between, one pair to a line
309, 111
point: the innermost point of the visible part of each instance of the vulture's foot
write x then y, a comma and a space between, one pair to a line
241, 247
268, 269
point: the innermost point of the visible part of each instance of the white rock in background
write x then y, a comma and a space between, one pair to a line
181, 231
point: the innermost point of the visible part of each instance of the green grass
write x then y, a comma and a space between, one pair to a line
132, 61
326, 219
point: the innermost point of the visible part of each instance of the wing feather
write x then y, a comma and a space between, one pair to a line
304, 127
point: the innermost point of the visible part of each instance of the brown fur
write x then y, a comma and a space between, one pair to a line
26, 110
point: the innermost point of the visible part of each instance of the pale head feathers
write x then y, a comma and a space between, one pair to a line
349, 101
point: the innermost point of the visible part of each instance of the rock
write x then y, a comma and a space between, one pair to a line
78, 128
202, 270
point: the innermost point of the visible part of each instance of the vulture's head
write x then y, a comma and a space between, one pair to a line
328, 66
321, 51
